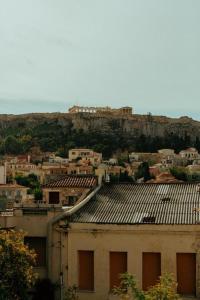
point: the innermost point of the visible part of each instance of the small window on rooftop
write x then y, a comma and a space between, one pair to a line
165, 199
149, 219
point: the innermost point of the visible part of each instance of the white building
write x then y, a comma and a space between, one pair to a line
189, 153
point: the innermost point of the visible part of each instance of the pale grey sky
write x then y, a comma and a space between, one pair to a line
142, 53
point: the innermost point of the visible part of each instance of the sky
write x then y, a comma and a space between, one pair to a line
142, 53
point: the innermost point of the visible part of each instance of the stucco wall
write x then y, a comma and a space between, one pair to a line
168, 240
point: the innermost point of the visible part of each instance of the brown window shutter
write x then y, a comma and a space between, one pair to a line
39, 245
86, 270
118, 265
151, 269
186, 273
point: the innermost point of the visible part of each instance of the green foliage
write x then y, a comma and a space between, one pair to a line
51, 135
12, 145
16, 265
179, 173
32, 182
128, 286
71, 293
165, 289
38, 194
143, 171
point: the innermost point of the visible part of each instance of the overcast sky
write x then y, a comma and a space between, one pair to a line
142, 53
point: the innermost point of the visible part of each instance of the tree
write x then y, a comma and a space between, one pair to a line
179, 173
16, 266
12, 145
143, 171
32, 182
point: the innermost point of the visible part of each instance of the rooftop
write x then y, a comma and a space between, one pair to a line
12, 186
177, 203
86, 181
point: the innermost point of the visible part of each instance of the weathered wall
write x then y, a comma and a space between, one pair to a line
168, 240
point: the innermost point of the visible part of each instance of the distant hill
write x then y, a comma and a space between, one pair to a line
62, 131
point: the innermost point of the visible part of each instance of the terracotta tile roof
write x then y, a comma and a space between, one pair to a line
86, 181
176, 203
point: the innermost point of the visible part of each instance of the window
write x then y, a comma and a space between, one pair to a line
39, 245
54, 198
118, 265
86, 270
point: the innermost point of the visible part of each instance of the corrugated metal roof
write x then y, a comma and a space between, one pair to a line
86, 181
142, 203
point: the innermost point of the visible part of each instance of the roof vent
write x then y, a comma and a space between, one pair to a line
165, 199
149, 219
198, 188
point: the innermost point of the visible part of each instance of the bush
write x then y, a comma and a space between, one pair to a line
165, 289
16, 265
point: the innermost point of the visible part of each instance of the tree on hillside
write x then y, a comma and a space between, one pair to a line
16, 266
12, 145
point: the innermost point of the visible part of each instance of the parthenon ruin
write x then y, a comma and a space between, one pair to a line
101, 110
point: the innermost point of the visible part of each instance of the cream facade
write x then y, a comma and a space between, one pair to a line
86, 155
134, 240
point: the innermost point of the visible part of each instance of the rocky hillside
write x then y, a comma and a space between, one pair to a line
59, 132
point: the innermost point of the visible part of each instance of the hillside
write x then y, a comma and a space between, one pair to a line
61, 131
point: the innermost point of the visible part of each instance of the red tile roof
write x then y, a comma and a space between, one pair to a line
73, 181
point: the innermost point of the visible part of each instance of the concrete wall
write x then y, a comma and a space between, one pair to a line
133, 239
168, 240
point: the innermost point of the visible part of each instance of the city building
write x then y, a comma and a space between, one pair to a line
68, 190
145, 229
85, 156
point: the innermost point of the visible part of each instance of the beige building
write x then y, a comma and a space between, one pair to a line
68, 190
86, 156
145, 229
166, 152
13, 194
